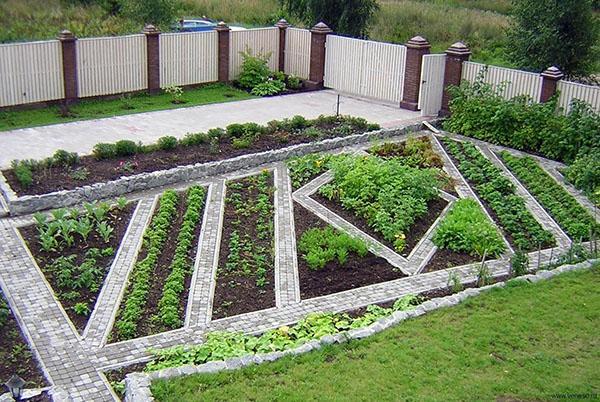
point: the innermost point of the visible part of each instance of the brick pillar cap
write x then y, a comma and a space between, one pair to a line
458, 49
222, 26
321, 28
66, 36
418, 42
282, 24
553, 73
151, 30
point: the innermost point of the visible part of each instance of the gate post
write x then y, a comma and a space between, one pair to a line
283, 26
153, 57
318, 38
550, 78
223, 51
68, 43
455, 56
416, 48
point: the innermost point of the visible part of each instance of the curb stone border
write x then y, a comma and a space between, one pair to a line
137, 385
145, 181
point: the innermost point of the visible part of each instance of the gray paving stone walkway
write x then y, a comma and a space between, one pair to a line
74, 362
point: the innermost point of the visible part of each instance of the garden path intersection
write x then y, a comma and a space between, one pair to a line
74, 363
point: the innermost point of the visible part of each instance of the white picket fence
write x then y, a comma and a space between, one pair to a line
188, 58
515, 82
365, 68
297, 52
261, 41
111, 65
572, 90
30, 72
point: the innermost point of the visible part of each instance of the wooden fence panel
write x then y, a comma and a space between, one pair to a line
297, 52
516, 82
111, 65
264, 41
188, 58
572, 90
30, 72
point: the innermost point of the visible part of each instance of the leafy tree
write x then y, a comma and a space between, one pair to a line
157, 12
554, 32
350, 17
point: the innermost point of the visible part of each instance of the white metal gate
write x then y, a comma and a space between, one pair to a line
365, 68
432, 84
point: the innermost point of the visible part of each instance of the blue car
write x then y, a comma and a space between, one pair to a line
198, 25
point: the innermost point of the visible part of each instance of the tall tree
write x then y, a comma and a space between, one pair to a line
349, 17
554, 32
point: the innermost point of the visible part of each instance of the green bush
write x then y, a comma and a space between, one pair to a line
64, 158
293, 82
192, 139
321, 246
268, 88
466, 229
23, 173
104, 151
278, 76
167, 143
125, 148
241, 143
255, 70
584, 173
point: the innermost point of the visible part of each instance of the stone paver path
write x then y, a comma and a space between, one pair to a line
74, 363
41, 142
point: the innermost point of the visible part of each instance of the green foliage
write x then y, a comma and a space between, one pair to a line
321, 246
344, 17
466, 229
23, 172
79, 174
104, 151
519, 263
224, 345
193, 139
158, 12
167, 143
479, 111
305, 168
125, 148
414, 152
484, 275
268, 88
454, 282
293, 82
584, 174
169, 313
81, 309
64, 158
548, 33
499, 194
562, 206
388, 194
176, 93
4, 311
255, 70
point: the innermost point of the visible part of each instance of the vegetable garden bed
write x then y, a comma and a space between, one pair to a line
356, 271
75, 250
245, 274
156, 297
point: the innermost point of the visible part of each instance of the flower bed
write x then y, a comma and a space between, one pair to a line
75, 249
155, 299
499, 196
245, 274
343, 270
562, 206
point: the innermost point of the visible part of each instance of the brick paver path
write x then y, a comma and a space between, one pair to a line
75, 363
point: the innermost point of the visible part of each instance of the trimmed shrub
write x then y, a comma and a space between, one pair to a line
65, 158
167, 143
104, 151
125, 148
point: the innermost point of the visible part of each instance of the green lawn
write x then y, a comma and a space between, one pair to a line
93, 109
527, 341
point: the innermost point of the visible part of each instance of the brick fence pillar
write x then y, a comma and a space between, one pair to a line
416, 48
318, 38
550, 78
455, 56
153, 57
283, 26
68, 43
223, 33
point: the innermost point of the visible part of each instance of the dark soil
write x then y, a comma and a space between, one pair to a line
146, 326
236, 292
59, 178
355, 273
417, 230
119, 220
444, 258
15, 355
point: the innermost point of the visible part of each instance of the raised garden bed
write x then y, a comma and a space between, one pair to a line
334, 277
245, 274
156, 297
75, 250
15, 354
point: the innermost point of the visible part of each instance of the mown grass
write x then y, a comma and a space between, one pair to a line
138, 103
526, 341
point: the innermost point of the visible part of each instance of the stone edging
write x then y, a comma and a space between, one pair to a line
144, 181
137, 385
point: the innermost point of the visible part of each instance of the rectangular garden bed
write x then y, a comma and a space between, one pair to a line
245, 273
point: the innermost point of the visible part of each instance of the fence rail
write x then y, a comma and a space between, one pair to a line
30, 72
515, 82
263, 41
297, 52
111, 65
188, 58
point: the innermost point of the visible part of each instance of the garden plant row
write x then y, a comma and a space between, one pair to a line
562, 206
245, 274
155, 297
498, 194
